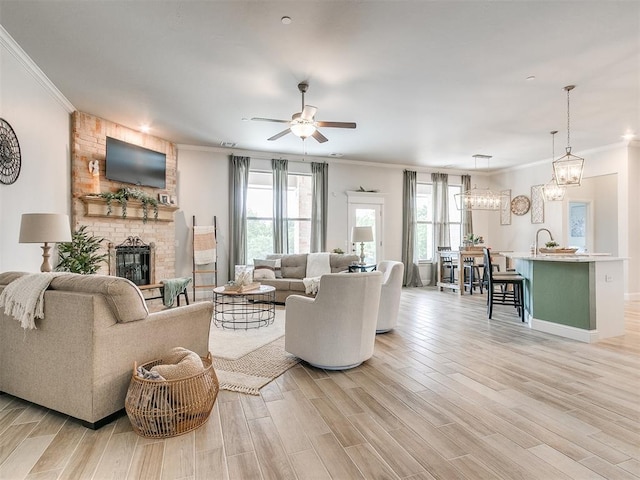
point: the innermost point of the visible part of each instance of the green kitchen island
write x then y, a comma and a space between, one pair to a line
575, 296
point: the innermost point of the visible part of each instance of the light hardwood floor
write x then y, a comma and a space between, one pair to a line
447, 395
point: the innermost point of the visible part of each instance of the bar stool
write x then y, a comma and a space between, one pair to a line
472, 277
506, 296
446, 261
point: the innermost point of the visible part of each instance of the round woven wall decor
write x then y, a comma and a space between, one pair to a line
10, 159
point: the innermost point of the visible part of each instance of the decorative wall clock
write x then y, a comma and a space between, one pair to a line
10, 159
520, 205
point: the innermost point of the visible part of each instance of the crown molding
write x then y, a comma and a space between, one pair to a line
29, 65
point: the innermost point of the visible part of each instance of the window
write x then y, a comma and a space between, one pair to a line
260, 214
424, 227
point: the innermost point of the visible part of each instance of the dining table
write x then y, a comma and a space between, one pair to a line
457, 257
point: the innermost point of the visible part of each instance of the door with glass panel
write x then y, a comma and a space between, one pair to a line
367, 215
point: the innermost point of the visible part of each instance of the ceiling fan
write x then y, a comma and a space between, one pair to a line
303, 124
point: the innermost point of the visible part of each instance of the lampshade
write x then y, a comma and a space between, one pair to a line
45, 228
361, 234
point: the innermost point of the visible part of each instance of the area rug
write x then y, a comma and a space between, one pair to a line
247, 360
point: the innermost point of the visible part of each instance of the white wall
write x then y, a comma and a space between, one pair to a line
40, 117
605, 161
203, 190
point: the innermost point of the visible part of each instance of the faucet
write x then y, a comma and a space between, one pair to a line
535, 252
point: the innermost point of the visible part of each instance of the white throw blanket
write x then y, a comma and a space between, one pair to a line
318, 264
23, 298
311, 285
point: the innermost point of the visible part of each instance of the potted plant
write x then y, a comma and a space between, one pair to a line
472, 241
552, 244
80, 255
125, 194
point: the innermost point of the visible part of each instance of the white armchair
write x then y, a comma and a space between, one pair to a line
335, 330
392, 273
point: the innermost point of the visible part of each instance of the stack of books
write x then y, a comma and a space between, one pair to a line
233, 288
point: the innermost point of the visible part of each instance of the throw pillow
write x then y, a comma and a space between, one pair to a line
264, 273
274, 264
278, 258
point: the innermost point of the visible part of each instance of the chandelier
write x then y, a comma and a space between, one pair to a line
568, 168
479, 198
552, 192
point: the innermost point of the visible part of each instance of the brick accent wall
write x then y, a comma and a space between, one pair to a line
88, 143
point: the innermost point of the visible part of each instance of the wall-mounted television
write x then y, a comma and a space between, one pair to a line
130, 163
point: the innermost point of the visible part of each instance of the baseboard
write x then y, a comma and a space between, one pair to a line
632, 297
566, 331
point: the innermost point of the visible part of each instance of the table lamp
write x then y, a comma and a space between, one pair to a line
361, 235
45, 228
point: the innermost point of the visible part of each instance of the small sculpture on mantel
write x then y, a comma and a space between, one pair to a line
362, 189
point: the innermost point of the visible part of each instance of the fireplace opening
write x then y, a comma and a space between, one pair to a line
134, 260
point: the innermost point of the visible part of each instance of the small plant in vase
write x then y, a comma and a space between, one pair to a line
471, 240
552, 244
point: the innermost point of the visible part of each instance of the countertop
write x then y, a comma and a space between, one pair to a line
552, 257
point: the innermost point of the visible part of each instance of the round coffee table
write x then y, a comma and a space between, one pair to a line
244, 310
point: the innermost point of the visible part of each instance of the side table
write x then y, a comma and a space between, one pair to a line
363, 268
252, 309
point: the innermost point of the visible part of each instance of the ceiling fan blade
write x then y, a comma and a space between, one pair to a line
281, 134
308, 112
270, 120
319, 137
337, 124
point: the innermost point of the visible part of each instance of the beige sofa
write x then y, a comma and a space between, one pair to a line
294, 269
79, 359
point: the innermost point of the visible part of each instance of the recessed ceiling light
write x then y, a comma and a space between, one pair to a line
228, 144
144, 128
286, 20
629, 136
530, 78
335, 154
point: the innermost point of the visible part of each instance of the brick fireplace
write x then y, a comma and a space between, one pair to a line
89, 144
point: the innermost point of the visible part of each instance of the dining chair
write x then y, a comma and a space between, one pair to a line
510, 284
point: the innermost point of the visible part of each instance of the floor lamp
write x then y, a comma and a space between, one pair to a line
361, 235
45, 228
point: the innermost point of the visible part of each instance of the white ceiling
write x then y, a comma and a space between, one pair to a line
429, 83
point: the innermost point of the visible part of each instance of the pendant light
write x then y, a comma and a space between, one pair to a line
552, 192
479, 198
568, 168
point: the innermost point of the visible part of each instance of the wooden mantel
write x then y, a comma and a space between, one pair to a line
97, 207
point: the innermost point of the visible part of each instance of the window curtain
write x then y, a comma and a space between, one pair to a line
319, 206
441, 236
239, 181
467, 219
409, 222
280, 224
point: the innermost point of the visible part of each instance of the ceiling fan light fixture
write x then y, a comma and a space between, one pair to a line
302, 128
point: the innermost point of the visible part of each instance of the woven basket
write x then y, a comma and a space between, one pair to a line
167, 408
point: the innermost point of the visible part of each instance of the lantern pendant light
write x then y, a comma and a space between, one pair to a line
568, 168
552, 192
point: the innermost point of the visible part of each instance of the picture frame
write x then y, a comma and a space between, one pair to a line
505, 207
537, 204
173, 200
163, 198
